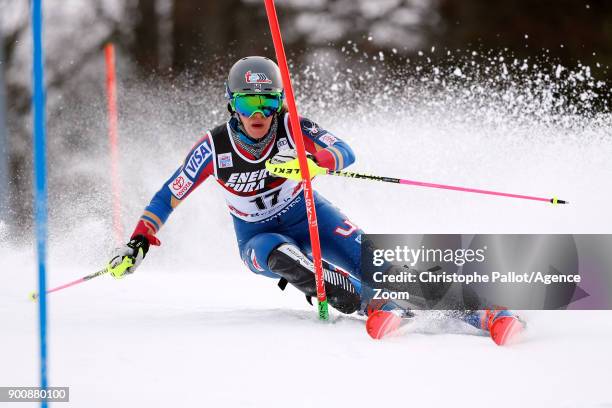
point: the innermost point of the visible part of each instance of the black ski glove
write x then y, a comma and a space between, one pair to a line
128, 257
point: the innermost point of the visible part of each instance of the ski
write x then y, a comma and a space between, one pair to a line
504, 330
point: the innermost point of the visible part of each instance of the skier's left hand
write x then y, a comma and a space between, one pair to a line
285, 164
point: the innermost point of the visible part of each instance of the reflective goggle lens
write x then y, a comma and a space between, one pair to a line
248, 105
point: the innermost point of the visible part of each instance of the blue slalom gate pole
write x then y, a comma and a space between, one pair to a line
40, 184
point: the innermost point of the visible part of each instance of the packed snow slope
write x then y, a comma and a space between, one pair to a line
194, 327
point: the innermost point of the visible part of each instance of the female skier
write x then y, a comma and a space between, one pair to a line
268, 212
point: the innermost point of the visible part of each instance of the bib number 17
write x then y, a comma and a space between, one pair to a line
271, 198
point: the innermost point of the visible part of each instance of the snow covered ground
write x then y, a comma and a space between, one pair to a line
194, 328
227, 338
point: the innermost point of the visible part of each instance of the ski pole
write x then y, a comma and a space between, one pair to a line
125, 264
290, 170
34, 295
348, 174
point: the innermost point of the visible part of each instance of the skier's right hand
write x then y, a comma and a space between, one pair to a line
286, 164
128, 257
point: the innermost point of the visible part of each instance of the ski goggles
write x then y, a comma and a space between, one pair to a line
249, 104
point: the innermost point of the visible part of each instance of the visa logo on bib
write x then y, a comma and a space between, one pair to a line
197, 159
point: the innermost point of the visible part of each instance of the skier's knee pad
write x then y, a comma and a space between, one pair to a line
291, 264
256, 252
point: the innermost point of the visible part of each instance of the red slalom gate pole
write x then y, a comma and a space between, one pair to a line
113, 136
301, 151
